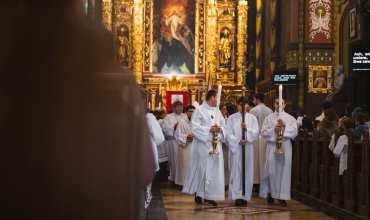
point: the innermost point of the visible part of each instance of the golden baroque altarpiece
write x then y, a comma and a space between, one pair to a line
180, 45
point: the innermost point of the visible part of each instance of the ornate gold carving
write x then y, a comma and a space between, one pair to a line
153, 92
193, 93
242, 37
225, 77
319, 79
176, 84
107, 14
211, 42
199, 44
148, 36
137, 41
162, 93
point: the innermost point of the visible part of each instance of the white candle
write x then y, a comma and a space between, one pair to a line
149, 105
218, 103
280, 99
160, 105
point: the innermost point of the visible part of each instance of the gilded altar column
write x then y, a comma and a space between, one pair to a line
211, 42
107, 14
153, 93
258, 38
242, 37
138, 41
273, 36
193, 93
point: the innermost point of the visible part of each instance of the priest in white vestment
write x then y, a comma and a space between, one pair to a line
184, 137
276, 178
169, 125
205, 172
261, 112
235, 142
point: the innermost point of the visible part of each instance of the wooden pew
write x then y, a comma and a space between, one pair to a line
325, 167
336, 186
305, 161
296, 180
364, 179
350, 175
316, 158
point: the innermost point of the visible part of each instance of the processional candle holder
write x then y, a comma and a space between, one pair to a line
214, 143
279, 142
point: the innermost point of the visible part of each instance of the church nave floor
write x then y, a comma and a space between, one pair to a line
172, 204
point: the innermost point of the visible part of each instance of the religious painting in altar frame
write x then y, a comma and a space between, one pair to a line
173, 39
352, 23
319, 79
177, 97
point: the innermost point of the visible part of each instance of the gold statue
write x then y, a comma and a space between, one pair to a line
225, 48
123, 47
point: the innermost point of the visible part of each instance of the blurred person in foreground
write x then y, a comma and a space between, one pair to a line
75, 142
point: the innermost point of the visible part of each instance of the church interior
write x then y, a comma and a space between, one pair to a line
318, 50
243, 45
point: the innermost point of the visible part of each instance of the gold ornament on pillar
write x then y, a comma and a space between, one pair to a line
211, 41
138, 41
242, 37
107, 14
153, 92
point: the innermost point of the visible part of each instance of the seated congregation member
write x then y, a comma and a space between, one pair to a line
360, 126
184, 137
235, 142
340, 150
330, 122
306, 124
276, 177
301, 113
205, 172
325, 105
169, 126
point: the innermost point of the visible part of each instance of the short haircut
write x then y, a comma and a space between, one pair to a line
348, 123
211, 93
230, 109
250, 103
326, 105
260, 96
350, 107
187, 108
177, 103
240, 100
301, 112
143, 94
360, 117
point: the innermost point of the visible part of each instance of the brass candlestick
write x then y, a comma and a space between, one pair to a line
279, 141
214, 142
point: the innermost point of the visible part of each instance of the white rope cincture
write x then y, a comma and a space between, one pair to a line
210, 171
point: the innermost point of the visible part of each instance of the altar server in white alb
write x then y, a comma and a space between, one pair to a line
184, 137
157, 138
276, 178
169, 125
261, 112
235, 142
205, 172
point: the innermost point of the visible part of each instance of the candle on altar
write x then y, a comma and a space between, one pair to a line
218, 103
160, 105
280, 99
149, 105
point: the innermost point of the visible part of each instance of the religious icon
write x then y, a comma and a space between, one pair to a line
319, 79
352, 22
173, 45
